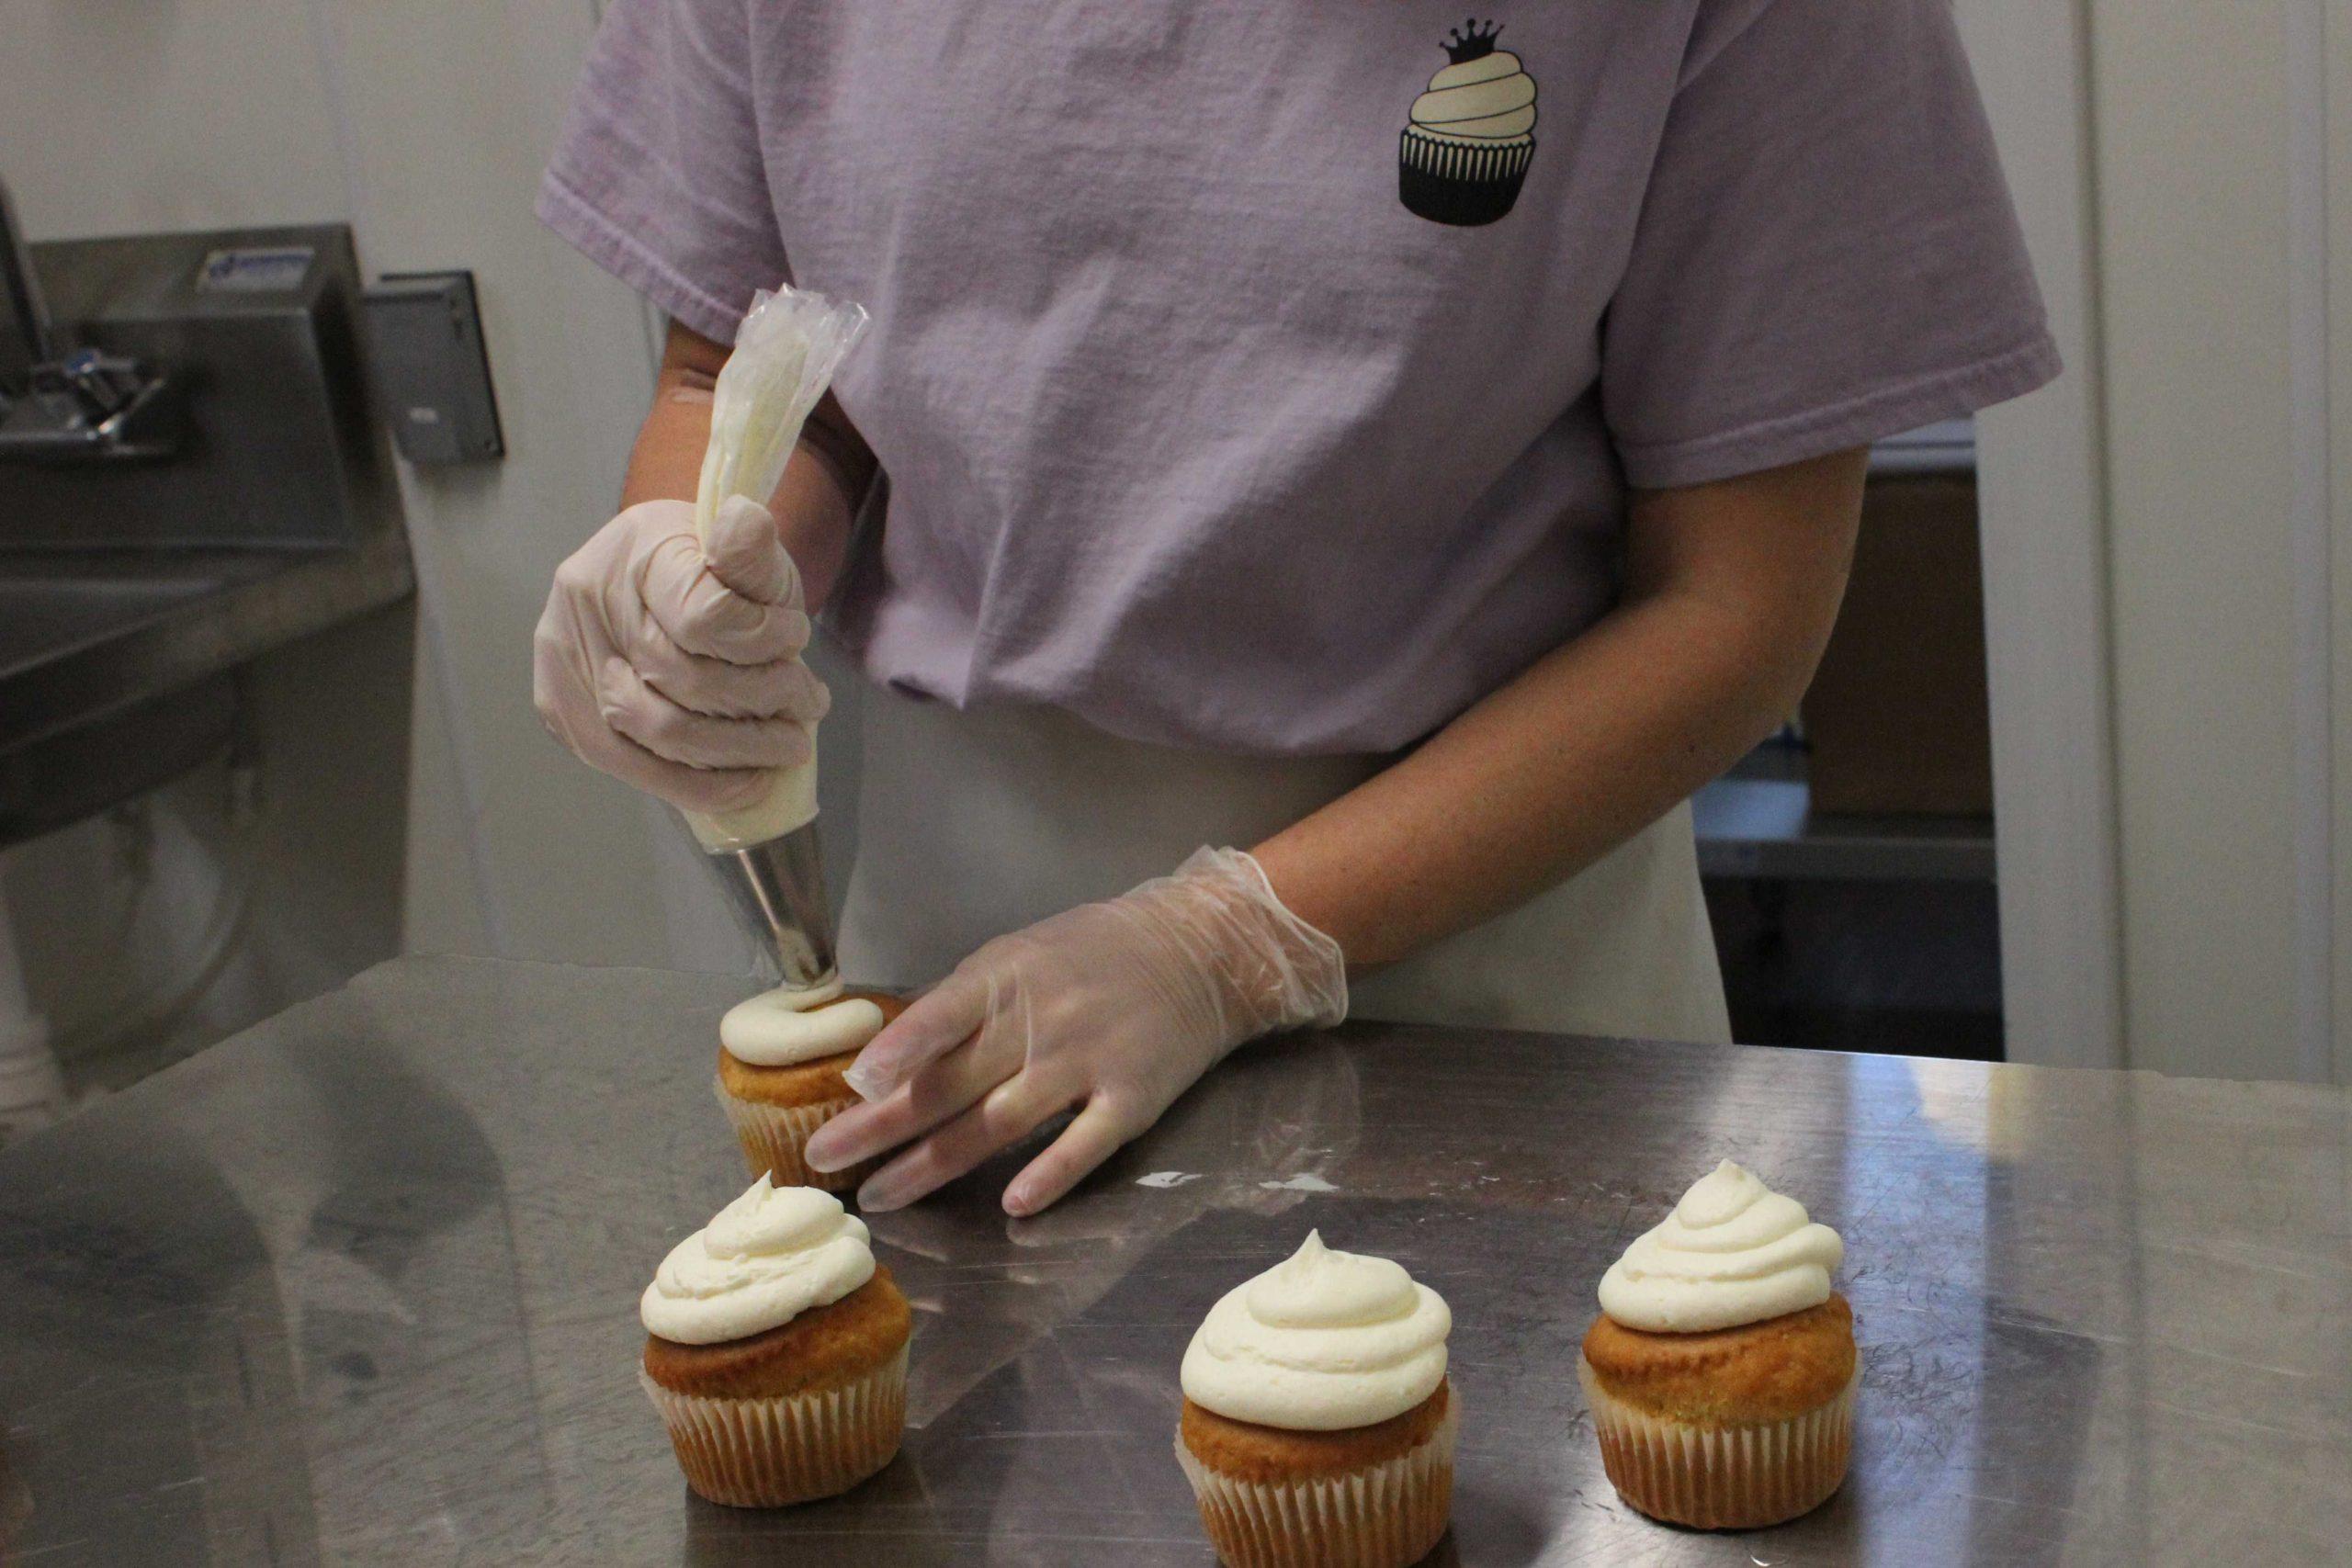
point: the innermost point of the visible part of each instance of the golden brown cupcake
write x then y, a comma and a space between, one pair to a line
1721, 1371
776, 1350
1318, 1427
781, 1057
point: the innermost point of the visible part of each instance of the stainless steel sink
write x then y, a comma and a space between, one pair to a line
51, 608
137, 575
85, 632
115, 665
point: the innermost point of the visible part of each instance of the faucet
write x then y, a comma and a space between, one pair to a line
23, 284
81, 404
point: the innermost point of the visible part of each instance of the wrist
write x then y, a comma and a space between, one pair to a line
1323, 887
1281, 971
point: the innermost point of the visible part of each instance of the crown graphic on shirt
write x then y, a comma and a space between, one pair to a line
1473, 39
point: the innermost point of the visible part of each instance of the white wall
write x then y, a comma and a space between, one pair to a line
2217, 272
2043, 499
2171, 626
118, 115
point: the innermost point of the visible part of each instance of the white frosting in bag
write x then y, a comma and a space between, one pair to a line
1321, 1341
784, 1027
1733, 1252
770, 1256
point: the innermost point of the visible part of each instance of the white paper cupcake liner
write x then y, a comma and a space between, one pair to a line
1477, 162
1385, 1515
774, 1137
765, 1453
1726, 1477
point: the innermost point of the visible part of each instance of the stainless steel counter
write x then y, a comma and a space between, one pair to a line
359, 1286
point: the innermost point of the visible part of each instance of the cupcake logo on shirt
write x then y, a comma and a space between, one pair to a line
1465, 151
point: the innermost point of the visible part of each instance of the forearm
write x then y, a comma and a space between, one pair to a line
1579, 752
1534, 783
814, 504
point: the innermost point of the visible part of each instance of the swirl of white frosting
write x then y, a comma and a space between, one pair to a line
1321, 1341
1487, 99
770, 1256
1733, 1251
784, 1027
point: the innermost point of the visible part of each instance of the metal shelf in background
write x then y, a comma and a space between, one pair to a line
1767, 829
1759, 823
1943, 450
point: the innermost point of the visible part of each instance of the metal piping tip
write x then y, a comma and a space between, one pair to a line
779, 889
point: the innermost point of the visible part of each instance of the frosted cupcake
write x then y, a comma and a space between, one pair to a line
1318, 1425
776, 1350
781, 1057
1721, 1371
1472, 135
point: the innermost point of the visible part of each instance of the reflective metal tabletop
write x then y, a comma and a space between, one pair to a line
360, 1285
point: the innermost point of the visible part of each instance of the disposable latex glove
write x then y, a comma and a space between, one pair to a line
1113, 1008
677, 672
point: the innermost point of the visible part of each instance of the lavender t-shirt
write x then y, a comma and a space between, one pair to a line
1269, 378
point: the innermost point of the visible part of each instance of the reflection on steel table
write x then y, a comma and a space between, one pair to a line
360, 1285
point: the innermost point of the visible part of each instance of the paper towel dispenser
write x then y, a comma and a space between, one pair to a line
431, 369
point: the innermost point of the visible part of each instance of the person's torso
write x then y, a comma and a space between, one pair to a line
1218, 406
971, 825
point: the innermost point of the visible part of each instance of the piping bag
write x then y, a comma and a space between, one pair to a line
766, 854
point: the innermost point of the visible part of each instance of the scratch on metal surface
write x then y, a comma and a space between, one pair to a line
2029, 1505
2298, 1374
2218, 1418
1306, 1181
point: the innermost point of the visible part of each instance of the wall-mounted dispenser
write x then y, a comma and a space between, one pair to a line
431, 369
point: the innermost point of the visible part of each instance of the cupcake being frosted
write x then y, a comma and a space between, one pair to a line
1721, 1371
1318, 1425
782, 1057
776, 1350
1472, 135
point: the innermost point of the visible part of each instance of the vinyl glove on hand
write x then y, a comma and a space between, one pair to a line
1114, 1008
674, 671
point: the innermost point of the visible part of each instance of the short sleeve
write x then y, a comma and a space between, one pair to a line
1827, 254
658, 177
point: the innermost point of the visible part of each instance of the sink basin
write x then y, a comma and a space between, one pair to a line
42, 616
115, 663
85, 633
